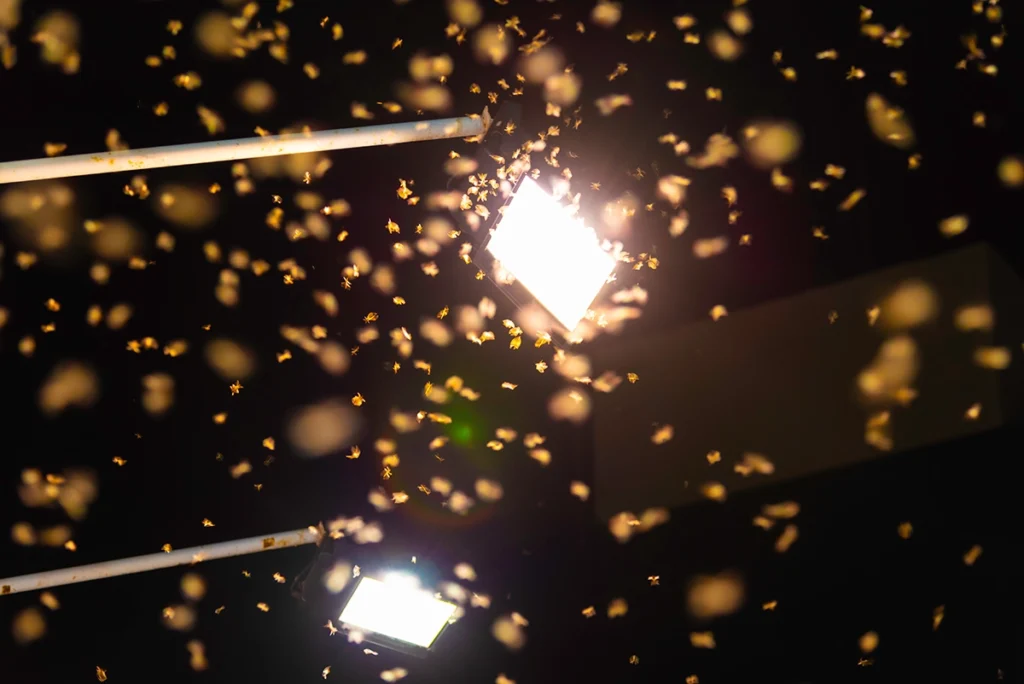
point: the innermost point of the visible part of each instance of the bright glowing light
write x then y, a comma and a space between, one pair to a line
402, 581
551, 253
397, 608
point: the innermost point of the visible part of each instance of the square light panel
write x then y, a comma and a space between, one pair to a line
550, 252
397, 608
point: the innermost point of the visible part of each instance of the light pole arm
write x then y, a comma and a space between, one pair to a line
241, 148
156, 561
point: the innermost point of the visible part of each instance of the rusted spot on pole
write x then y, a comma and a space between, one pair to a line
6, 589
268, 542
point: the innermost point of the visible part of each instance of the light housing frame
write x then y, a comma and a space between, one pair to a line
573, 223
385, 640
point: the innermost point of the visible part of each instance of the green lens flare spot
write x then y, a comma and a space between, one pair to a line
463, 434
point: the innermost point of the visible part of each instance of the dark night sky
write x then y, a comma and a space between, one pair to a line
538, 551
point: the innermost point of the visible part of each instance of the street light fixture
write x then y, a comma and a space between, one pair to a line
397, 613
393, 612
551, 252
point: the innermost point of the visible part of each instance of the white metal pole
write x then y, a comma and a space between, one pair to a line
156, 561
241, 148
